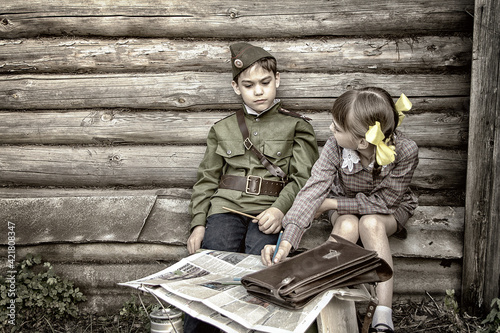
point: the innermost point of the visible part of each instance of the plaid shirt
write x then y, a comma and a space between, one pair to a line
357, 190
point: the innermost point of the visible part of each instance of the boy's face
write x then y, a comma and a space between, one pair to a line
257, 87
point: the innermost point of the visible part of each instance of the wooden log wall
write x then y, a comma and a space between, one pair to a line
105, 107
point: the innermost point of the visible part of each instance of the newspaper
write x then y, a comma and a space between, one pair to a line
206, 286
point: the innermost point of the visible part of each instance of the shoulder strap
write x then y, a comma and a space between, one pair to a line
273, 169
293, 114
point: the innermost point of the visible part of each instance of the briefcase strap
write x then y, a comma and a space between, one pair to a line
273, 169
370, 310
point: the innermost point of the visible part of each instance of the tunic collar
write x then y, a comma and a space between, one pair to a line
252, 112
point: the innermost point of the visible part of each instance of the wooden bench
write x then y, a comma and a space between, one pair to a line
338, 316
101, 238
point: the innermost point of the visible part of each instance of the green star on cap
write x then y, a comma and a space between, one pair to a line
243, 55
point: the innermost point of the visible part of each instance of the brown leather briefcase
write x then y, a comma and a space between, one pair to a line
296, 281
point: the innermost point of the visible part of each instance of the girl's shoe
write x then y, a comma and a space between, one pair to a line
381, 328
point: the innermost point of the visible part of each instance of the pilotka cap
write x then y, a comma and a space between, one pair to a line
243, 55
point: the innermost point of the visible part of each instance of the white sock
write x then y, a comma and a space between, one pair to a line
382, 315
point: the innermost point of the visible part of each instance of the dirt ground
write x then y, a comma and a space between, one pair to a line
432, 316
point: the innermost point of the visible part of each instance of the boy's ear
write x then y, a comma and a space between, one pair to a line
236, 88
363, 144
277, 79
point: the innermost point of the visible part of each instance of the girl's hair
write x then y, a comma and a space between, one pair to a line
268, 63
355, 110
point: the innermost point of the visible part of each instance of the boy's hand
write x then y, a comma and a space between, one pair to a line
266, 255
194, 240
270, 220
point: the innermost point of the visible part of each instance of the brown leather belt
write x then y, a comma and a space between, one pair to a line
251, 185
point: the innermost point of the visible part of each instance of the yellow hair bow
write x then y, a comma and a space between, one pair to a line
383, 153
403, 104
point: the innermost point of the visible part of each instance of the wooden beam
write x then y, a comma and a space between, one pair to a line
338, 316
326, 55
194, 89
90, 127
103, 253
167, 166
237, 19
426, 197
90, 217
481, 274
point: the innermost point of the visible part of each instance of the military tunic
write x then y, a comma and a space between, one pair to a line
287, 141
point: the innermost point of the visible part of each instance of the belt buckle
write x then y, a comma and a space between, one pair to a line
247, 187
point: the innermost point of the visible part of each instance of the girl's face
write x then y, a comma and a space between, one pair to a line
257, 87
344, 138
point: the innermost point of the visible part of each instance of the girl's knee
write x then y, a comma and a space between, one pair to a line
346, 226
372, 224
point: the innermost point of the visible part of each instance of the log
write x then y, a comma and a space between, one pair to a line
189, 89
416, 276
88, 217
90, 127
450, 105
166, 166
426, 197
326, 55
453, 198
481, 265
237, 19
106, 253
19, 192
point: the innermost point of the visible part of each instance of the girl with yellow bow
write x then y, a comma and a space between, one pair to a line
362, 178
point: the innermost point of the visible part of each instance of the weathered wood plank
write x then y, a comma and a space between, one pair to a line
445, 197
326, 55
433, 232
481, 264
56, 192
415, 276
447, 130
81, 219
148, 217
189, 89
167, 166
235, 19
452, 169
106, 253
448, 104
338, 316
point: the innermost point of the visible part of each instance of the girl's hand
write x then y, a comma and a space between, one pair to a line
270, 220
195, 239
328, 204
266, 255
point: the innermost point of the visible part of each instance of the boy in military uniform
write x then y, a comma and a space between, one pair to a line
256, 162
